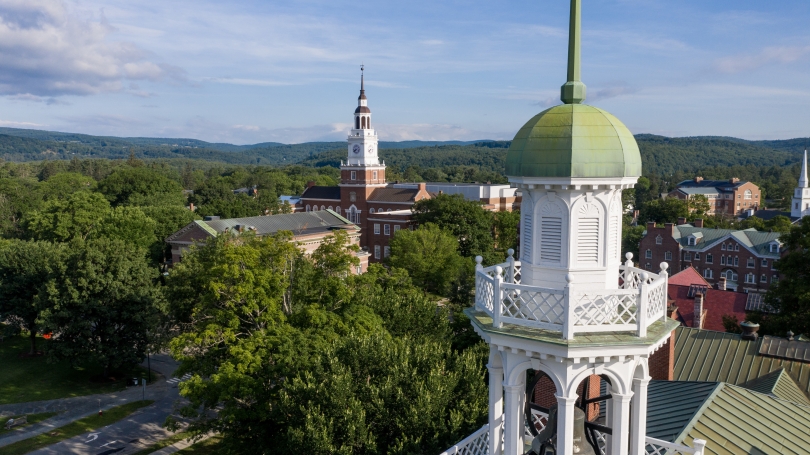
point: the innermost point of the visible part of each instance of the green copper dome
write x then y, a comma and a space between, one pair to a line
573, 140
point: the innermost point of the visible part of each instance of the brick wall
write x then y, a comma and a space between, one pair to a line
662, 361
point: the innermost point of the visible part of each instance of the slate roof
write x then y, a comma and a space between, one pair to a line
716, 304
393, 195
778, 384
719, 184
297, 223
768, 215
705, 355
322, 192
757, 241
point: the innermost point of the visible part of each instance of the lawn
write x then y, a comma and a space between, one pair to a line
76, 428
208, 447
32, 419
25, 379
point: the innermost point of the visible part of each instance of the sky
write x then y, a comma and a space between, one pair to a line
256, 71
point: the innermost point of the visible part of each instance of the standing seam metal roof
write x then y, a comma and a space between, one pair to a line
306, 222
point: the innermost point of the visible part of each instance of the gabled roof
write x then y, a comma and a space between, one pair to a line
298, 223
716, 304
322, 192
671, 405
778, 384
757, 241
394, 195
688, 277
724, 184
705, 355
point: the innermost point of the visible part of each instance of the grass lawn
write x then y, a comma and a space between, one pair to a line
208, 447
177, 437
25, 379
32, 419
76, 428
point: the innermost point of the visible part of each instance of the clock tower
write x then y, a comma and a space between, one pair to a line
363, 165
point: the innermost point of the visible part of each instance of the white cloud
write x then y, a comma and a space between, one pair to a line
46, 50
13, 124
747, 62
242, 81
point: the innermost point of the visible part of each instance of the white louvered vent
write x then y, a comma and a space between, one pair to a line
614, 238
588, 240
550, 238
527, 238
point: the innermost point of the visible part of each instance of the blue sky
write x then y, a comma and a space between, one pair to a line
255, 71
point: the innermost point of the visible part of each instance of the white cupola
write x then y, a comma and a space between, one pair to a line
800, 205
362, 138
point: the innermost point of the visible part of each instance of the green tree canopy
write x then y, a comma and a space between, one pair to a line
467, 220
140, 186
666, 210
129, 224
61, 220
506, 228
429, 255
790, 297
63, 184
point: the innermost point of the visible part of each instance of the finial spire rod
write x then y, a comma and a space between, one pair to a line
362, 68
573, 92
803, 176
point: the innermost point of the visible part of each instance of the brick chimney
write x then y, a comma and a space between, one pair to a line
422, 187
650, 226
698, 223
697, 318
191, 206
670, 228
681, 221
310, 183
734, 180
698, 179
721, 283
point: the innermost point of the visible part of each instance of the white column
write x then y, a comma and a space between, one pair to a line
512, 432
495, 407
565, 424
638, 431
621, 423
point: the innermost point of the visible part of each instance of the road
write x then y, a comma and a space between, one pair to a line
136, 432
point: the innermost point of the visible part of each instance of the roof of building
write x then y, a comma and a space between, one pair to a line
756, 302
784, 348
719, 184
716, 304
705, 355
688, 277
768, 215
322, 192
297, 223
755, 240
394, 195
700, 190
671, 405
573, 140
778, 384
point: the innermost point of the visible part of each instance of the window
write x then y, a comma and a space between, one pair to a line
723, 247
729, 275
331, 208
370, 210
376, 251
387, 251
738, 196
722, 260
707, 273
387, 229
774, 247
352, 197
764, 263
709, 258
736, 261
396, 228
668, 256
337, 210
659, 240
377, 228
358, 270
687, 256
323, 207
774, 279
354, 175
697, 256
751, 263
748, 194
691, 241
763, 279
647, 266
736, 247
374, 175
307, 207
750, 278
648, 254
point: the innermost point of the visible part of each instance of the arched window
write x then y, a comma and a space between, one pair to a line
388, 210
363, 122
307, 207
370, 210
337, 210
357, 123
368, 123
323, 208
331, 208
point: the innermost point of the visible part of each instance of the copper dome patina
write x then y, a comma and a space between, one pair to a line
573, 140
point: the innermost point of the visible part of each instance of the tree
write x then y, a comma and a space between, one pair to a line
70, 218
466, 220
790, 297
753, 222
698, 205
18, 197
102, 304
25, 269
140, 186
129, 224
63, 184
506, 227
430, 255
779, 223
666, 210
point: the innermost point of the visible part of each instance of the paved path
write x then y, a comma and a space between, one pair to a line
137, 431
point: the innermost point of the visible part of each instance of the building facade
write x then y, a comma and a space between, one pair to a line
743, 260
726, 197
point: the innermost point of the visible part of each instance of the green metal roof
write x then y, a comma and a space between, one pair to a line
573, 140
778, 384
738, 421
705, 355
757, 241
671, 406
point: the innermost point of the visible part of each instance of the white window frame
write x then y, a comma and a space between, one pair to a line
353, 175
387, 229
374, 175
396, 228
697, 256
377, 228
750, 263
764, 262
386, 251
659, 240
376, 251
763, 278
708, 273
648, 254
687, 256
668, 255
709, 258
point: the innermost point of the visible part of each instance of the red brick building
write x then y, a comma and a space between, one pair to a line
744, 258
729, 197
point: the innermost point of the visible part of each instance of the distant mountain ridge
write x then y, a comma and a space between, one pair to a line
660, 154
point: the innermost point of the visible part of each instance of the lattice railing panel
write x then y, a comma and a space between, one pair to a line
656, 300
659, 447
539, 420
474, 444
536, 306
516, 273
484, 293
601, 441
599, 309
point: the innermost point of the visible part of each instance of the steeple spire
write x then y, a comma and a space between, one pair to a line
362, 84
803, 175
573, 91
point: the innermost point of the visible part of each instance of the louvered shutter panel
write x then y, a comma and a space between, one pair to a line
527, 237
588, 240
550, 238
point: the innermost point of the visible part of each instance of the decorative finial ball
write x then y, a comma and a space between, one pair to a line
629, 256
569, 277
664, 266
498, 271
510, 252
478, 260
644, 276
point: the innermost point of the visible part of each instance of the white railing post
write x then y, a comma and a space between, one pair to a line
628, 283
510, 276
497, 298
665, 275
642, 305
478, 268
699, 446
568, 323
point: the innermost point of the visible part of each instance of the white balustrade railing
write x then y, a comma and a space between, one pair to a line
639, 301
474, 444
660, 447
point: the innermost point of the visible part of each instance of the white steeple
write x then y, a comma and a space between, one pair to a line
362, 138
800, 206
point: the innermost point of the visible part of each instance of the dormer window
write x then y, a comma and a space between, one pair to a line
659, 240
692, 241
774, 247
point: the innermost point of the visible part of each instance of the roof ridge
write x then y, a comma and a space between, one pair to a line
703, 406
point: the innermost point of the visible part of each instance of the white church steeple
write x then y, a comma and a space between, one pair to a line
800, 206
362, 166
